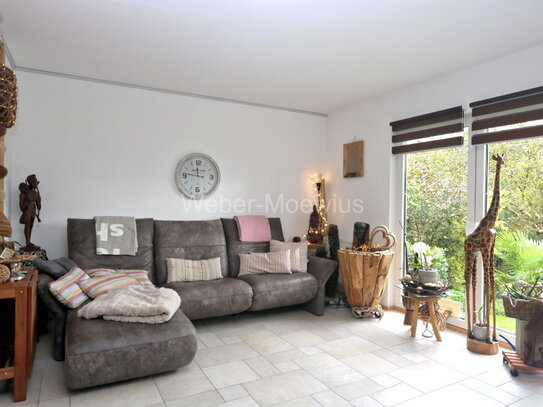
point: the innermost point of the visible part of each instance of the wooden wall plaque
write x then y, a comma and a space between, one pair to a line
353, 159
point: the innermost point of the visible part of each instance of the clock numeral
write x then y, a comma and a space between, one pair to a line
197, 190
211, 177
184, 175
198, 162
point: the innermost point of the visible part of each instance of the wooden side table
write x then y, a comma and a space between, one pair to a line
431, 300
23, 293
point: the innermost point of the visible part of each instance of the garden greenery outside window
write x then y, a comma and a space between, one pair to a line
436, 205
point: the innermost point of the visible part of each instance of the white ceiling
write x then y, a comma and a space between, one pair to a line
313, 55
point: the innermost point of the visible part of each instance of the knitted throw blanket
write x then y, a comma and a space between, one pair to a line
145, 304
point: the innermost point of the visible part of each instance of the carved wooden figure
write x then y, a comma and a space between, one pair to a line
30, 204
482, 240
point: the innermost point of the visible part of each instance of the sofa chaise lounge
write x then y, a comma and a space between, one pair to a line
99, 351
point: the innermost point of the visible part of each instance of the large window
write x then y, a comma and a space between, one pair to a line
436, 209
436, 212
447, 192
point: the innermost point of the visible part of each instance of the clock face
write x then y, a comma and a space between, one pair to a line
197, 176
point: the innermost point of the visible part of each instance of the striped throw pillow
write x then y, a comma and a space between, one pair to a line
93, 273
139, 275
276, 246
193, 270
265, 263
95, 287
67, 290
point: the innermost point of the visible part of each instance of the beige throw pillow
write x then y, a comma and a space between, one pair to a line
193, 270
265, 263
301, 266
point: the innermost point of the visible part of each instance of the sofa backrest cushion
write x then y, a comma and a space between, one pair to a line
188, 239
82, 247
236, 246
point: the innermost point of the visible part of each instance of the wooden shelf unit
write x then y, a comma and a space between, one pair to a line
18, 364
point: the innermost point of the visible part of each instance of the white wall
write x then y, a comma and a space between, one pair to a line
369, 121
100, 149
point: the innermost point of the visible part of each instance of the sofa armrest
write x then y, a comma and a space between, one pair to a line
321, 269
58, 311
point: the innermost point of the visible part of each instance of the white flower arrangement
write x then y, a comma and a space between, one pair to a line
420, 248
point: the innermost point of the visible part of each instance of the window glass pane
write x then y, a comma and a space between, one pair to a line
436, 213
519, 244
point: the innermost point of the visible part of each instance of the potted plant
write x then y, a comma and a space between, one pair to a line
523, 298
520, 273
423, 263
479, 328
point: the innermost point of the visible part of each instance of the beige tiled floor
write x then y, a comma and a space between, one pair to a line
293, 358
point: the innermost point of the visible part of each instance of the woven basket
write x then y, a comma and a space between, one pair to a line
5, 273
8, 244
520, 309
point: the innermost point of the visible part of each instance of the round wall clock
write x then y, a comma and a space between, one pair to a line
197, 176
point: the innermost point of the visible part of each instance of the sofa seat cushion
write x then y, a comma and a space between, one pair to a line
100, 351
279, 290
205, 299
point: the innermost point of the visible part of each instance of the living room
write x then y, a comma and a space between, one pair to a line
114, 100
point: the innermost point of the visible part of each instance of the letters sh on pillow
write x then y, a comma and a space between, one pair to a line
116, 235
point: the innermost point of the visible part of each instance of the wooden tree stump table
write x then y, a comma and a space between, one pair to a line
364, 276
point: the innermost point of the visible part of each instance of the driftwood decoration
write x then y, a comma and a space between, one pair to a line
390, 239
364, 272
529, 339
364, 276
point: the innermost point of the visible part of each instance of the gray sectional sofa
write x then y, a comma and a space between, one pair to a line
99, 351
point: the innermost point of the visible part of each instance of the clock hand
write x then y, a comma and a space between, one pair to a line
194, 175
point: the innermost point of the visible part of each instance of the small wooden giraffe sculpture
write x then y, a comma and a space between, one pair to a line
482, 240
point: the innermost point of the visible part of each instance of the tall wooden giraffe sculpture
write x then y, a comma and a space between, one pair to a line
482, 240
